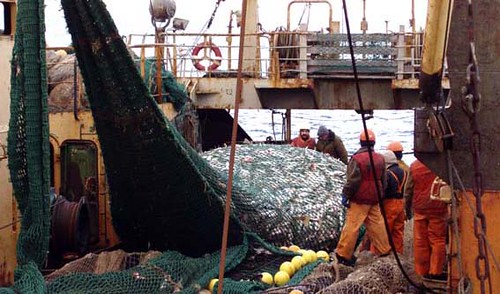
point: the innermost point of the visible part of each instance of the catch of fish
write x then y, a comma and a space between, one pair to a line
295, 192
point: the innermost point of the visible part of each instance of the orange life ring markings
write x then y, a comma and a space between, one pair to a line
207, 48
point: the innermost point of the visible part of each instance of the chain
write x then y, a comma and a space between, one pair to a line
471, 106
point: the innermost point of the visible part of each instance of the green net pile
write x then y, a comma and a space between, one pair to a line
162, 192
171, 91
165, 272
170, 271
294, 190
164, 195
28, 147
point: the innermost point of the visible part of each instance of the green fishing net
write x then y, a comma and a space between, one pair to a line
164, 195
28, 145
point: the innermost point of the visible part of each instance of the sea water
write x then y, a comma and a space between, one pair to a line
388, 125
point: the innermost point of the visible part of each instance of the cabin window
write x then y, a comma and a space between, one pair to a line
79, 170
6, 18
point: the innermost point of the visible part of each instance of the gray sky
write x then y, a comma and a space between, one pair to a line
132, 16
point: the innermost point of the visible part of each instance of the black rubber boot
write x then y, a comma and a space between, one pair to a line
345, 261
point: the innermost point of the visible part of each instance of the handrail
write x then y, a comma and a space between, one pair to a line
403, 52
283, 55
330, 13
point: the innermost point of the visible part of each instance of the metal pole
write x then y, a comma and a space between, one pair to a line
364, 23
413, 16
237, 98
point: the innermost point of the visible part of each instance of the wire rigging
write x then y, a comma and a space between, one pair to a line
308, 8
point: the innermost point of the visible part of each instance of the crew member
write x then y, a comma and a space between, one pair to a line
393, 199
430, 222
304, 139
331, 144
397, 148
360, 196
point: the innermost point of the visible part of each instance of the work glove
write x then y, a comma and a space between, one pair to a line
345, 201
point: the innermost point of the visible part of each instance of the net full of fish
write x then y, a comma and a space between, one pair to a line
296, 192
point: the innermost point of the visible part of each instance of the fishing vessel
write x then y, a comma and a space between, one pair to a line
290, 68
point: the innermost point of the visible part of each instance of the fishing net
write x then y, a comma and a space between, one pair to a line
107, 269
153, 272
171, 91
294, 190
380, 275
63, 80
164, 195
66, 93
170, 271
28, 147
370, 275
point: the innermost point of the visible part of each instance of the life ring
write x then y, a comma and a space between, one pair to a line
215, 61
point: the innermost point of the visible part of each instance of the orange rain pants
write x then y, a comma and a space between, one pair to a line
429, 241
356, 215
395, 214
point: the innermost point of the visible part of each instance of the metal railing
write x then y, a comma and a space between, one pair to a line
282, 54
271, 55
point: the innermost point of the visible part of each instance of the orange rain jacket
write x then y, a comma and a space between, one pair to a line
309, 143
430, 221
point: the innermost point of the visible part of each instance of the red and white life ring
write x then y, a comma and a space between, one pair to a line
207, 48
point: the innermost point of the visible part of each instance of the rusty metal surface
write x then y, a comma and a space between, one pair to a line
64, 127
376, 94
320, 93
468, 241
412, 83
8, 226
488, 50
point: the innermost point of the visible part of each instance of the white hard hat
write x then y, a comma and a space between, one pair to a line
389, 156
304, 127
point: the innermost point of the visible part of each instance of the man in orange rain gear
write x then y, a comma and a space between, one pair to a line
360, 197
304, 139
393, 200
430, 222
397, 148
